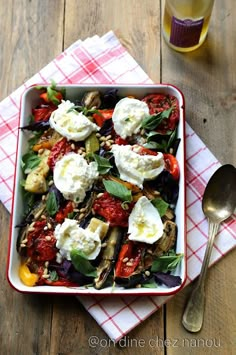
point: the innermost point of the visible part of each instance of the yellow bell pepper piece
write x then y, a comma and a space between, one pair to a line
26, 276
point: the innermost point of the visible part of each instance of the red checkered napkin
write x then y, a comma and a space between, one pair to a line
104, 60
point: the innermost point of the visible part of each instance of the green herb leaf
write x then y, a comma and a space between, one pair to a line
51, 204
166, 263
160, 205
152, 122
172, 139
155, 145
156, 136
53, 275
30, 161
22, 182
52, 95
118, 190
82, 264
103, 164
150, 284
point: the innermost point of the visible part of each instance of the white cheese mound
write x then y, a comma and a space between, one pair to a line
71, 124
136, 168
145, 224
128, 115
73, 176
70, 235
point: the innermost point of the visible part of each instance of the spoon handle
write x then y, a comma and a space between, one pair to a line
194, 311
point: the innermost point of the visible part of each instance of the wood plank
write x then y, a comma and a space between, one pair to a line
136, 24
207, 79
218, 333
31, 34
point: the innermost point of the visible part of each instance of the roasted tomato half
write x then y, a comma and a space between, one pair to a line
160, 102
41, 244
111, 209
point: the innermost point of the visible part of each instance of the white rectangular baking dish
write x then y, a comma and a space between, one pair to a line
30, 99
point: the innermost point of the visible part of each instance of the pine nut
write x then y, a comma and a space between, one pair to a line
100, 195
46, 276
83, 209
102, 139
129, 263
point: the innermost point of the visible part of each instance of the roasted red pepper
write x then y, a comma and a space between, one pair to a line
43, 112
102, 116
61, 282
59, 149
111, 209
56, 97
128, 259
171, 165
159, 103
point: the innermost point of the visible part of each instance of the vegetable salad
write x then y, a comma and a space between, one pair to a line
101, 182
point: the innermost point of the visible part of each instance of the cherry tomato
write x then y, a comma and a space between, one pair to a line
63, 212
102, 116
43, 112
59, 149
132, 253
111, 209
171, 165
41, 244
160, 102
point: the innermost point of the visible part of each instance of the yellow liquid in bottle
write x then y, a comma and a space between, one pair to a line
177, 14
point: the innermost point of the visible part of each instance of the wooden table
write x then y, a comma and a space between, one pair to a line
31, 34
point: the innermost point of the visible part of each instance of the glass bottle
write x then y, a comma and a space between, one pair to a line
186, 22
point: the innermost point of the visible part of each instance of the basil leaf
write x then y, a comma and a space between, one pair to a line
152, 122
118, 190
52, 204
172, 138
160, 205
82, 264
153, 135
30, 161
166, 263
155, 145
103, 164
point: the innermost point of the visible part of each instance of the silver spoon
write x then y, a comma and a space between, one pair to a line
218, 203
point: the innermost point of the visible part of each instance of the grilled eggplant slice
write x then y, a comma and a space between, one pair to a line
109, 256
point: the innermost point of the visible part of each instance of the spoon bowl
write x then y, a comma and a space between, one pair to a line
218, 204
219, 199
